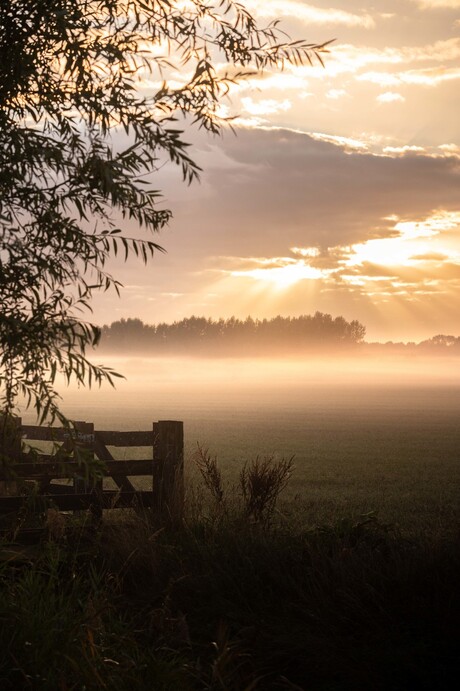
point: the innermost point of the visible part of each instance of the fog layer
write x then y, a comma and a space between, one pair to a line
190, 388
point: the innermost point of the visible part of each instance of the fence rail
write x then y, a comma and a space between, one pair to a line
165, 467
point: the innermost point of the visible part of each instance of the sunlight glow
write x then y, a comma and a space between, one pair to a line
283, 276
420, 259
413, 241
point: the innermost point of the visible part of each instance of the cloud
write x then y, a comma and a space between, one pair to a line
305, 214
286, 274
431, 76
450, 148
267, 80
438, 4
439, 51
347, 58
390, 97
379, 268
306, 251
281, 188
401, 150
266, 106
347, 144
335, 94
309, 13
430, 257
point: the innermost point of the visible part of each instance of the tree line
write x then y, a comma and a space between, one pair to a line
253, 336
440, 344
217, 335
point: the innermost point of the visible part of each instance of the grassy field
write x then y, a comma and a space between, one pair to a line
396, 452
365, 437
348, 582
231, 602
391, 455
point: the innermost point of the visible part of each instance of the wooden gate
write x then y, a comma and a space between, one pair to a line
81, 448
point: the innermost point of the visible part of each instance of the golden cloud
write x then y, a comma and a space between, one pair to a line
266, 106
309, 13
376, 268
390, 97
438, 4
430, 257
431, 76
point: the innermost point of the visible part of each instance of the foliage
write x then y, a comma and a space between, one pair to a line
87, 113
260, 484
59, 628
211, 475
261, 481
228, 605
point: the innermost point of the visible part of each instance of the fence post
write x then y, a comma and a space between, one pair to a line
82, 432
168, 470
85, 440
10, 449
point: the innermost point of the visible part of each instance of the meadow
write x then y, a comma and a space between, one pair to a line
346, 580
370, 435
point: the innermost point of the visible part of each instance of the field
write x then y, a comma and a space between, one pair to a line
370, 436
314, 596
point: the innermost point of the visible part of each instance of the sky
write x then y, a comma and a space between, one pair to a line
340, 191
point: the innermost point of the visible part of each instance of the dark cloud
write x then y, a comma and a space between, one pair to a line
369, 269
445, 275
265, 192
281, 188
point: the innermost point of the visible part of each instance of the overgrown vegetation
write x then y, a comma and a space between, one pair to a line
230, 604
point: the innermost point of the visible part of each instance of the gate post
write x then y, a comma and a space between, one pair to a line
10, 450
82, 440
168, 470
85, 440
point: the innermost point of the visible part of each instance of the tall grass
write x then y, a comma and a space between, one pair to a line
233, 600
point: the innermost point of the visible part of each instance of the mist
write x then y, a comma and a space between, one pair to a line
242, 407
189, 387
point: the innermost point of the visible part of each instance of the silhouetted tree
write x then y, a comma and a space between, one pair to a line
72, 73
298, 333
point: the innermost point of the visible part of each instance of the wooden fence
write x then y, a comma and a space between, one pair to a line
165, 468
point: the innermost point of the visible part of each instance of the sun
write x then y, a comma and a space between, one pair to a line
282, 277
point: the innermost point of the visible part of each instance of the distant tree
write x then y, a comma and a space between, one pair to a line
72, 74
357, 331
296, 333
441, 342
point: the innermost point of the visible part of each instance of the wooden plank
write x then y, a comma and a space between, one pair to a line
55, 471
108, 438
104, 455
35, 433
79, 502
125, 438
